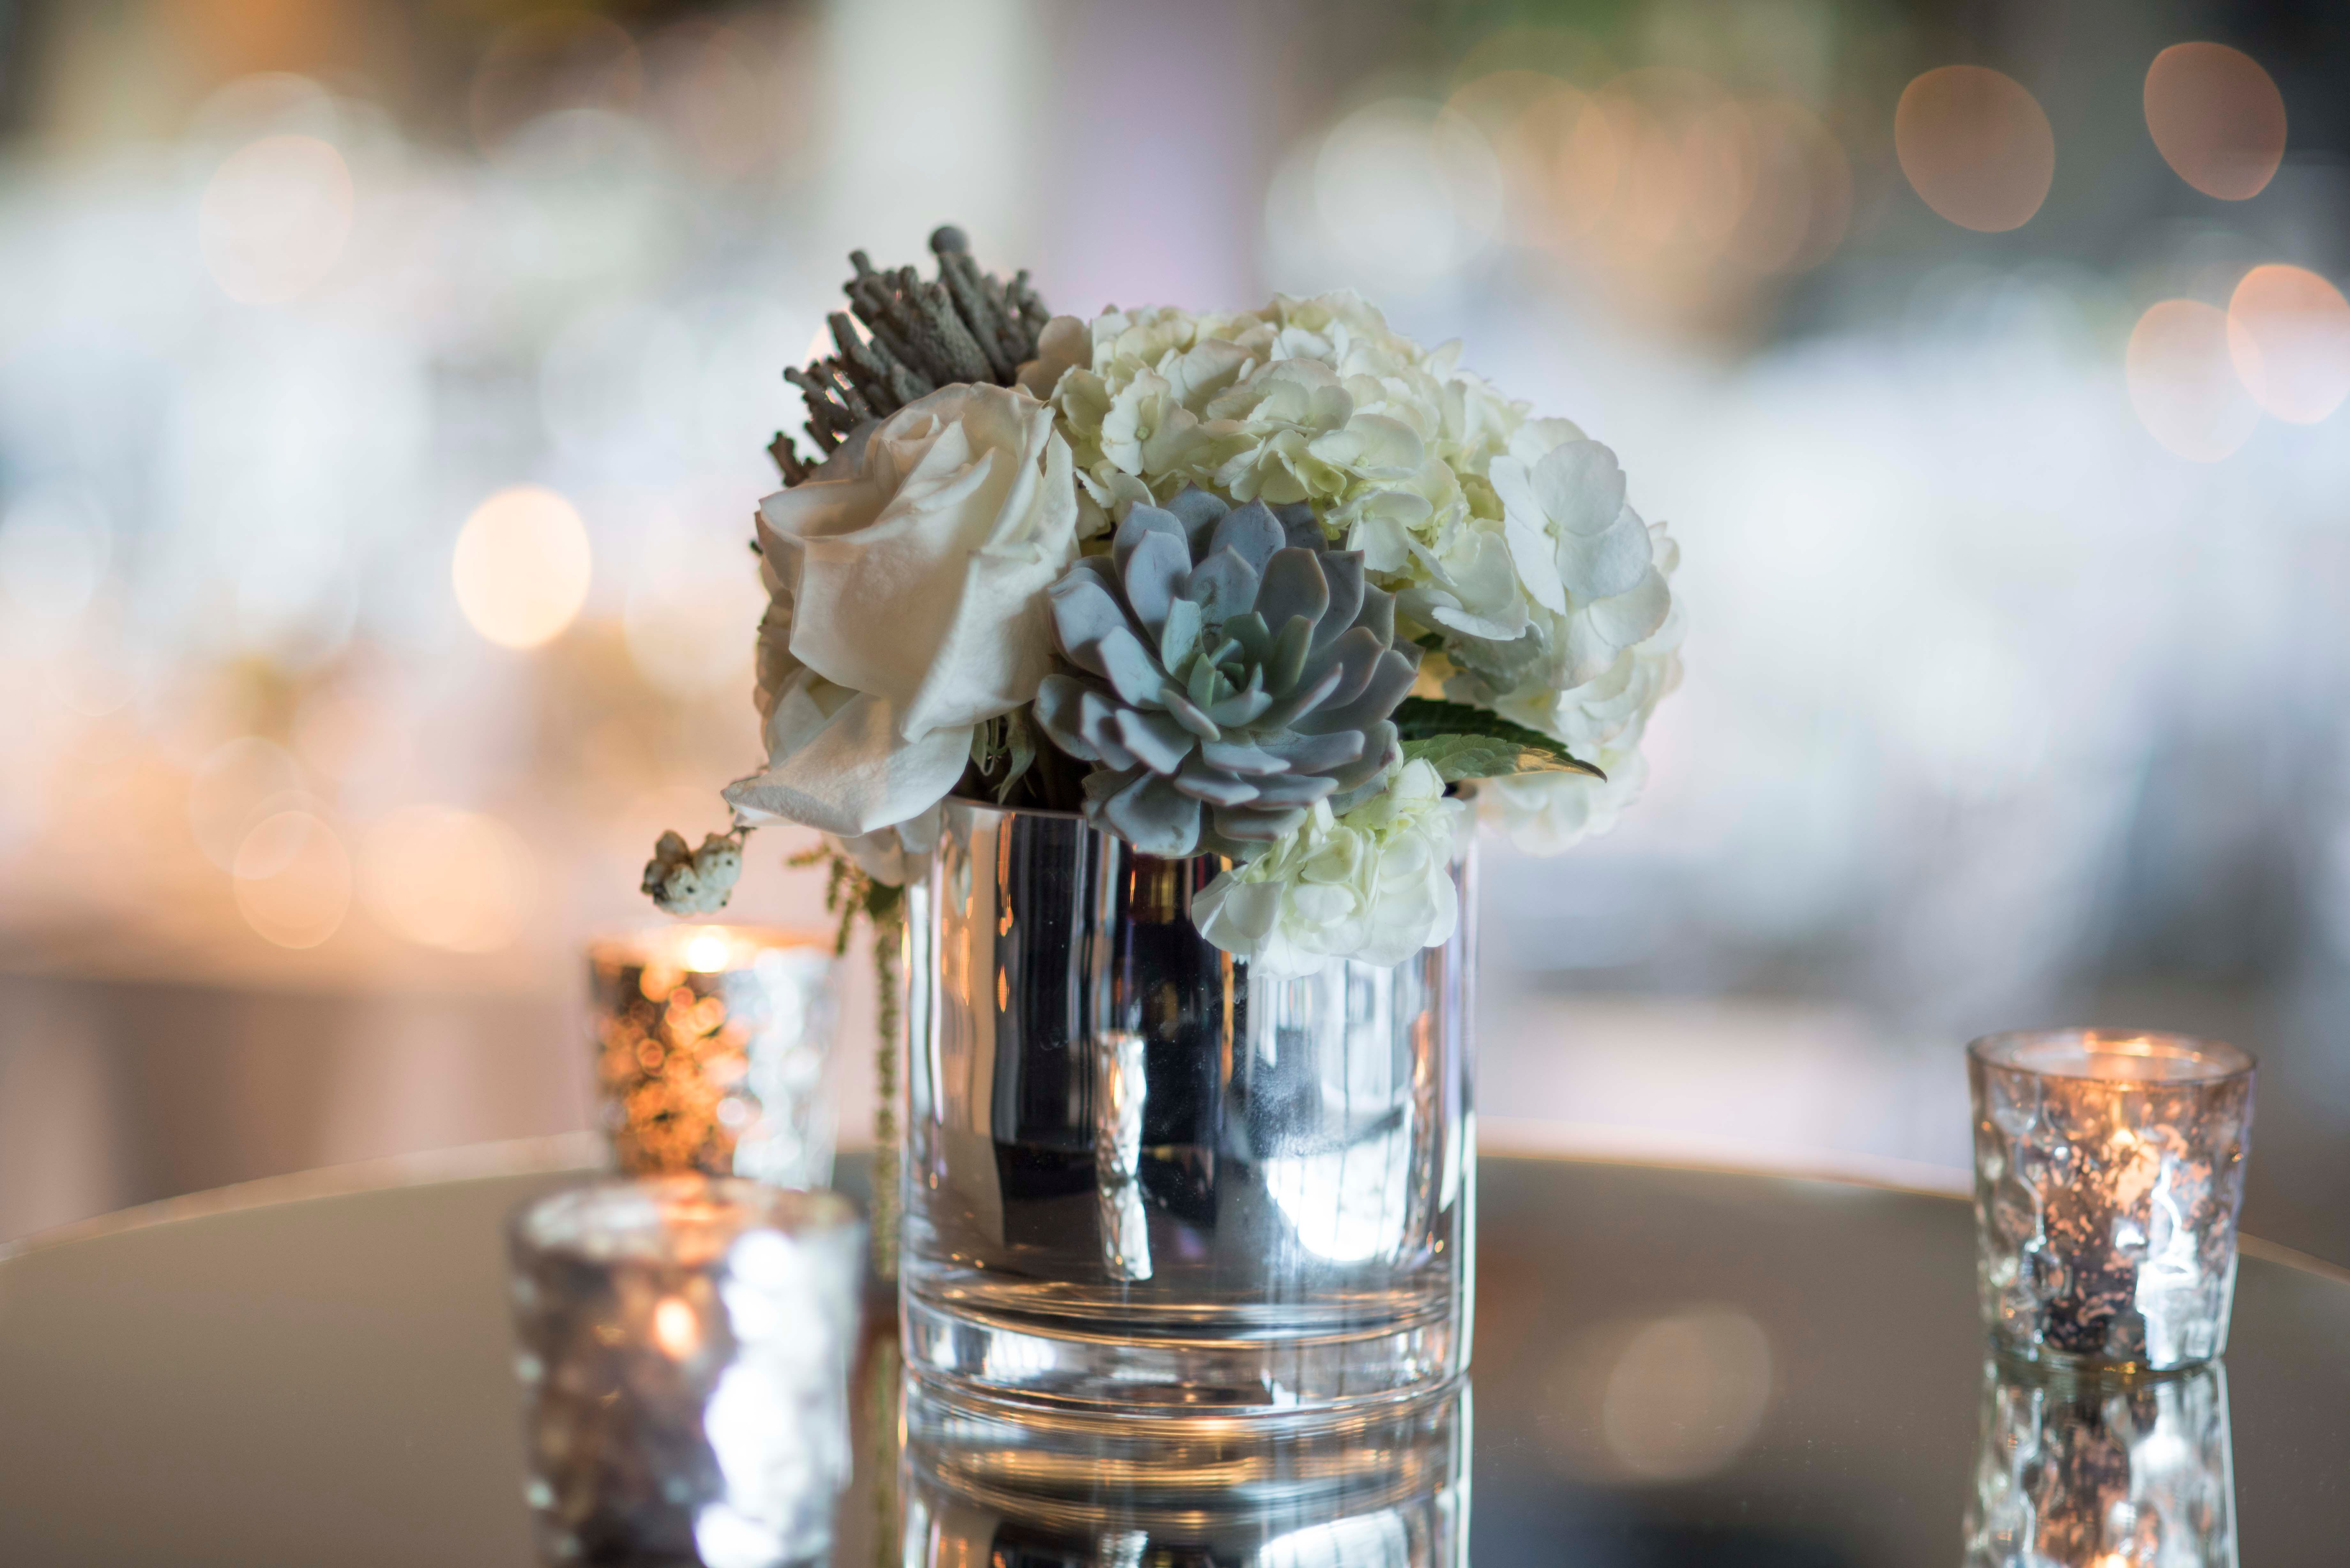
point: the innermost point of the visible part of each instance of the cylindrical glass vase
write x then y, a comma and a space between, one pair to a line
711, 1049
1139, 1175
2109, 1168
684, 1353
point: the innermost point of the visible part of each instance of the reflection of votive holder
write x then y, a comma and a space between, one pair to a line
684, 1354
711, 1044
2102, 1472
2109, 1168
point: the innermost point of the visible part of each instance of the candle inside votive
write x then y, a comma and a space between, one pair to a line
2108, 1174
685, 1347
711, 1046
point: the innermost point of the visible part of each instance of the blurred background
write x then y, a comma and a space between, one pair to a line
384, 390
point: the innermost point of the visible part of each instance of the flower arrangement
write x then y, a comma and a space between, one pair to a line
1277, 585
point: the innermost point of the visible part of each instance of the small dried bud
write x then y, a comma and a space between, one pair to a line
693, 882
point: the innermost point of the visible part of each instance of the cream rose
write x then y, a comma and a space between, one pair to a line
906, 580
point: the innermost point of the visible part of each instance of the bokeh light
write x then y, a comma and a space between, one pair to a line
1406, 192
2289, 336
293, 879
1685, 1392
442, 878
1671, 1397
675, 1328
237, 783
1975, 146
1802, 191
2183, 382
2217, 119
1661, 175
275, 218
522, 565
707, 950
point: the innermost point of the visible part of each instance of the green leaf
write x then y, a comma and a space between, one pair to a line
1464, 742
1022, 744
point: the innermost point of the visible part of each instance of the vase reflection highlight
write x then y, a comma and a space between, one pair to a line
684, 1354
2108, 1172
1139, 1175
989, 1483
711, 1045
2121, 1473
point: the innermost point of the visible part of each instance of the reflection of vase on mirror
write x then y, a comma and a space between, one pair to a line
1018, 1489
2132, 1473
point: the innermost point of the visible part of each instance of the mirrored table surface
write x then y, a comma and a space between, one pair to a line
1671, 1367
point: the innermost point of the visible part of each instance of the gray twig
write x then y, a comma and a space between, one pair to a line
919, 335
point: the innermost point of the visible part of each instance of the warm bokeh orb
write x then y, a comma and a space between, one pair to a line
2289, 335
442, 878
293, 879
521, 566
2183, 383
275, 218
2217, 117
1975, 146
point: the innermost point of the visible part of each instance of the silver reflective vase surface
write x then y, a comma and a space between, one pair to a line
1139, 1176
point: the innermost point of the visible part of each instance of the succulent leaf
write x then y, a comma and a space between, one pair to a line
1225, 670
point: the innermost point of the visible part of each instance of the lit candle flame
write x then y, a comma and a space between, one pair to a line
707, 953
675, 1328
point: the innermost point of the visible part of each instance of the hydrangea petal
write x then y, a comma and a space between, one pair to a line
1580, 487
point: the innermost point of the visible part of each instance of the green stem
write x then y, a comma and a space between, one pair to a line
887, 931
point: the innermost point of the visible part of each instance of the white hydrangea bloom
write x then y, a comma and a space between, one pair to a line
1307, 399
1374, 886
1509, 537
1603, 720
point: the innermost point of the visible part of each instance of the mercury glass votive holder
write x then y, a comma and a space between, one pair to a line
711, 1046
684, 1349
2109, 1168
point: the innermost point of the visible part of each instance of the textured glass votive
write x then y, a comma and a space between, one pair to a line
2116, 1473
684, 1354
2108, 1171
711, 1044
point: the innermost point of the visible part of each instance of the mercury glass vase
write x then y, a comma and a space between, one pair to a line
684, 1353
2126, 1473
711, 1046
1139, 1176
2109, 1168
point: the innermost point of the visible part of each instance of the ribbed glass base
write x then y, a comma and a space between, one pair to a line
1048, 1463
992, 1340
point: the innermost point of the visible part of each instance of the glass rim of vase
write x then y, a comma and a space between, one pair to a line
673, 943
2141, 1059
615, 1220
